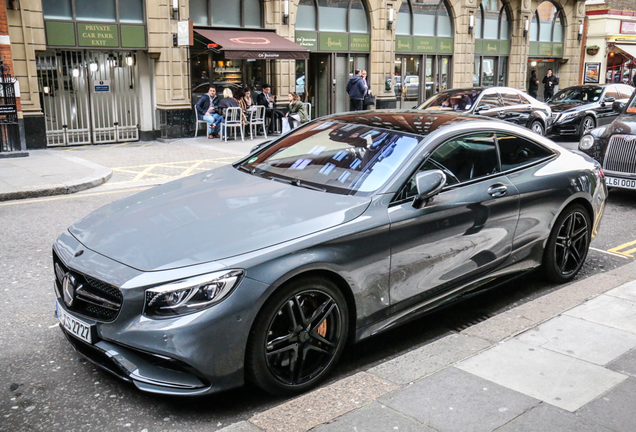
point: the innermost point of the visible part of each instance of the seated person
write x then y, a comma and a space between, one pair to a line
297, 113
207, 110
268, 100
225, 103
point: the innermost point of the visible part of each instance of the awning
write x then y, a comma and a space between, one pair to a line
630, 50
262, 45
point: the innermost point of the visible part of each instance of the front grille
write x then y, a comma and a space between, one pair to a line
621, 154
93, 298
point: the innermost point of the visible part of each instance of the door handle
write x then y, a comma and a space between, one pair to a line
497, 190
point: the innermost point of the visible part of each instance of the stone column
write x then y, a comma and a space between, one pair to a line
382, 56
284, 70
519, 44
574, 15
464, 43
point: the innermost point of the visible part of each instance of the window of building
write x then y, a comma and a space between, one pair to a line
491, 21
225, 13
492, 37
547, 24
424, 18
332, 15
129, 11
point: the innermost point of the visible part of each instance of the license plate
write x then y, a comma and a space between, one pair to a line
621, 183
74, 326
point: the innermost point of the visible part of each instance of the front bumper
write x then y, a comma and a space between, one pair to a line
569, 127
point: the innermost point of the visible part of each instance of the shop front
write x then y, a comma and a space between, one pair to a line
492, 44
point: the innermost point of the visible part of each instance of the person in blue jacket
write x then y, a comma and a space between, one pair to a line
356, 90
207, 109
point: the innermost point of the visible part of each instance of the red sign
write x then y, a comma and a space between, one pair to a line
628, 27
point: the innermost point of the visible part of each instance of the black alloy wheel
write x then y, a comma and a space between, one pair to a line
537, 127
587, 125
568, 244
297, 337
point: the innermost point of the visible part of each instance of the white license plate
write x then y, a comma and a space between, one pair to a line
74, 326
621, 183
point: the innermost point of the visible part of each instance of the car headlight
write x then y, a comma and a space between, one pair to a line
190, 295
568, 116
586, 143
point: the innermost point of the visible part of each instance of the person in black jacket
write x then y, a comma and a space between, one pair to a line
549, 81
356, 90
225, 103
533, 89
268, 100
207, 109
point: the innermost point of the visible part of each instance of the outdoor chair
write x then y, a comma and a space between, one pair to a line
257, 118
308, 109
197, 122
233, 119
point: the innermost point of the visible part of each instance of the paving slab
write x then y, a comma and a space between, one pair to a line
430, 358
625, 364
608, 310
243, 426
554, 378
616, 409
324, 404
374, 417
626, 291
581, 339
546, 417
455, 401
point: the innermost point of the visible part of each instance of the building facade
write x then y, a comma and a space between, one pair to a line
610, 43
113, 70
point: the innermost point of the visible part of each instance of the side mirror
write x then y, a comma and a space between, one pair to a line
607, 100
429, 183
618, 107
482, 107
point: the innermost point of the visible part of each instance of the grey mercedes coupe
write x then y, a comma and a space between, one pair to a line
347, 226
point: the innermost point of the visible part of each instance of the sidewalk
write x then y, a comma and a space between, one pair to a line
563, 362
65, 170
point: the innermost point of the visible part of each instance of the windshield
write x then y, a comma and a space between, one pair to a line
348, 159
577, 95
631, 108
451, 101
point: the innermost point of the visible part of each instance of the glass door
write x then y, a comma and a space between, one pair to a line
430, 77
407, 81
319, 91
341, 77
443, 73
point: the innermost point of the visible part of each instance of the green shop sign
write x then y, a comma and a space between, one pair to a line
360, 42
94, 35
425, 45
557, 50
445, 45
307, 40
334, 42
403, 44
545, 49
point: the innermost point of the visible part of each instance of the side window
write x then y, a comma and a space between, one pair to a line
461, 159
524, 100
516, 152
510, 98
491, 99
625, 91
612, 92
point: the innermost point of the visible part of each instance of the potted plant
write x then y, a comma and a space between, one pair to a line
592, 49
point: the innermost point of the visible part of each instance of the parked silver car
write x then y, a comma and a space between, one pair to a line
349, 225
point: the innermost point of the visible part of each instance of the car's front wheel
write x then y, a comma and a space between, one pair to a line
568, 244
587, 125
298, 336
537, 127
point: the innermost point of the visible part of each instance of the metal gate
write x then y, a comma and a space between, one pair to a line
89, 97
9, 128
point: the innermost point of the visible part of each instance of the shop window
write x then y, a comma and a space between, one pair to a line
306, 15
57, 9
547, 24
491, 21
424, 18
358, 18
226, 13
103, 10
131, 11
333, 15
403, 26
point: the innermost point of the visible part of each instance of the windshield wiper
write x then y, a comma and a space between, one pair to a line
298, 183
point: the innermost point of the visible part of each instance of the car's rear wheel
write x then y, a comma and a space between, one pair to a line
587, 125
537, 127
568, 244
298, 336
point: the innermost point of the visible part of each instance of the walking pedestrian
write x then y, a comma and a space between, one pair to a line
549, 81
533, 89
356, 90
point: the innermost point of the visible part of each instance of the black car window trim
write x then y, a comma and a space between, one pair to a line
396, 200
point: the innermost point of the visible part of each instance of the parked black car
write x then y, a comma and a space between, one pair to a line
579, 109
614, 146
503, 103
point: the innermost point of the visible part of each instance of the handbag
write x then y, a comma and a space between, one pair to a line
369, 99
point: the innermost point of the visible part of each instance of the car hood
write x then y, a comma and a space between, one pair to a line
625, 124
210, 216
569, 106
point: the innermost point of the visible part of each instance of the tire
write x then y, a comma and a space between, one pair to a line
568, 244
587, 125
537, 127
297, 336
